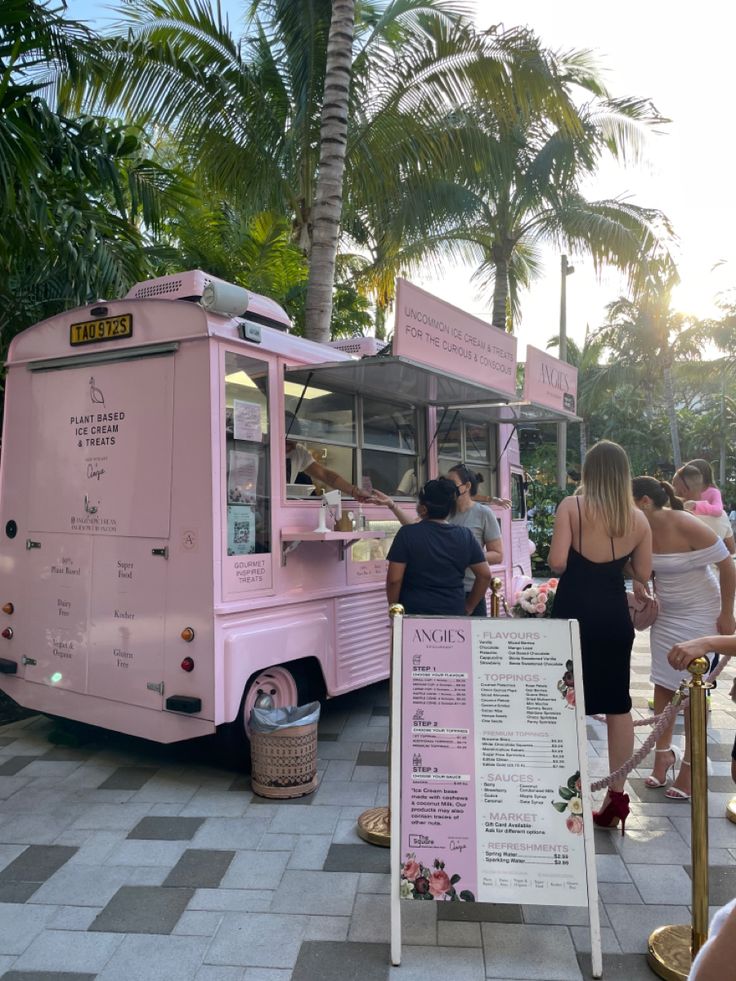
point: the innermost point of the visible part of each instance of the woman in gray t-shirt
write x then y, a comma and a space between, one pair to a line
480, 520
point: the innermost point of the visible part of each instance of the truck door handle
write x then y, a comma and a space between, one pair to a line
31, 544
162, 552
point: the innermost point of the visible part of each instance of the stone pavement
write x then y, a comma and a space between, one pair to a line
121, 860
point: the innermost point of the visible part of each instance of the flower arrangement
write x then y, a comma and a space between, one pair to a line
535, 600
566, 685
571, 801
419, 882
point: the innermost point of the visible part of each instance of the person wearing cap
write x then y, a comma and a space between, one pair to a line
427, 560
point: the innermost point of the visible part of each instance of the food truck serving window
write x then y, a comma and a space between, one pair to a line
463, 439
247, 488
367, 441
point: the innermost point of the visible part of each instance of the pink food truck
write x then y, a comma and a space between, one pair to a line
160, 571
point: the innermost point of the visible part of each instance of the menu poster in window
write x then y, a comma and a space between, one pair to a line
242, 477
493, 803
247, 421
241, 529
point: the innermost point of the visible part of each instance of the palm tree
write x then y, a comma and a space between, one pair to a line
333, 146
646, 334
79, 197
529, 193
247, 114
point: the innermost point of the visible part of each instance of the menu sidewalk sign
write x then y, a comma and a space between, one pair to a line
490, 795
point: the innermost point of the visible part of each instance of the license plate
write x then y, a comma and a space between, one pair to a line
105, 329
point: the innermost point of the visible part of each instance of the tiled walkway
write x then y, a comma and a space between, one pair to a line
122, 860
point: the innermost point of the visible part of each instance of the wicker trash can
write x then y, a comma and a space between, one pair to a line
284, 759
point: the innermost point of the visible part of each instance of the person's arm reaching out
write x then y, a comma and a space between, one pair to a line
325, 476
380, 498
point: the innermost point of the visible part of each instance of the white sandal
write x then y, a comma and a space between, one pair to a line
651, 781
674, 793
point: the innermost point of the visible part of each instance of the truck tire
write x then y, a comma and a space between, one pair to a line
289, 684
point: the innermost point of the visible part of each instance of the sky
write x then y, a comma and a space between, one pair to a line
682, 58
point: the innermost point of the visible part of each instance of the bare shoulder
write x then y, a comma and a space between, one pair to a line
641, 525
565, 506
696, 533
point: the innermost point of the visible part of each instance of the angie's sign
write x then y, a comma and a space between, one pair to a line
550, 382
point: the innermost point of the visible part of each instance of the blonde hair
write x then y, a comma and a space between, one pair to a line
607, 482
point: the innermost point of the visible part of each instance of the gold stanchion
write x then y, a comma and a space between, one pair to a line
374, 825
731, 810
673, 948
495, 596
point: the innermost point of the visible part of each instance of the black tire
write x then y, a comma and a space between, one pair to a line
233, 741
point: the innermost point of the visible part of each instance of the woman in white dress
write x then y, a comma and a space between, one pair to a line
690, 605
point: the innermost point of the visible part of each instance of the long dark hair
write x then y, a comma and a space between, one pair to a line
660, 492
439, 498
468, 476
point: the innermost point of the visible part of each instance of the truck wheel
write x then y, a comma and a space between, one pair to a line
280, 685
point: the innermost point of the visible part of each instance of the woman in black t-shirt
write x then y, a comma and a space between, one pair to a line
427, 560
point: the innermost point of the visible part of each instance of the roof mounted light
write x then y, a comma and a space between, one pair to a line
225, 298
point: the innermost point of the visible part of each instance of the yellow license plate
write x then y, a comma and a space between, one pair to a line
105, 329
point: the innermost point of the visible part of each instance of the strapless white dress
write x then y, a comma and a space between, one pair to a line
689, 603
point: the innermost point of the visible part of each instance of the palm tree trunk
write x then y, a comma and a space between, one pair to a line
669, 398
327, 209
380, 323
583, 442
500, 293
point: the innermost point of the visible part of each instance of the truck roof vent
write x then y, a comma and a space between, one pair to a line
191, 285
157, 287
362, 347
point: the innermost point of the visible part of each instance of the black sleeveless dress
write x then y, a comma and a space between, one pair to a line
594, 594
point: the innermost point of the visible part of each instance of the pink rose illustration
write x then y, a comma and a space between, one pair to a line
577, 785
553, 583
439, 883
410, 870
570, 696
575, 824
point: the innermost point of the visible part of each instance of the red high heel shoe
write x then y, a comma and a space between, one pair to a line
617, 809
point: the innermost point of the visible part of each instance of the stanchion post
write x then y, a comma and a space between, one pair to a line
374, 825
673, 948
495, 596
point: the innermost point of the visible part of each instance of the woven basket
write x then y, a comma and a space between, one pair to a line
284, 763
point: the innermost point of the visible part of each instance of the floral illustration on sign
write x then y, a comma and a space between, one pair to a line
572, 802
566, 685
535, 601
420, 882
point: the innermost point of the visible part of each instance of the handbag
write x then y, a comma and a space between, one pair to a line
642, 615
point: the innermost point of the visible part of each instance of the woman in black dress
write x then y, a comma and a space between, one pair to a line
596, 535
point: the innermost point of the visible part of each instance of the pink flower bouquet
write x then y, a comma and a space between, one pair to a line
535, 600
